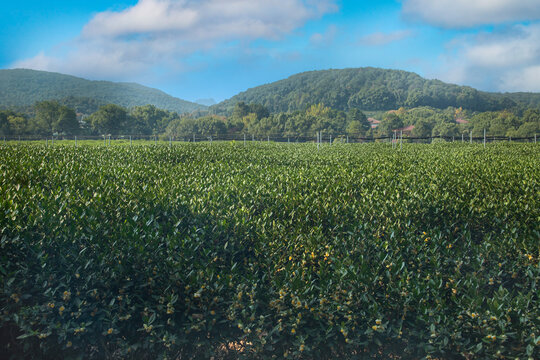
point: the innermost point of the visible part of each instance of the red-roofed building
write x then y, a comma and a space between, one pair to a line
406, 130
462, 121
374, 122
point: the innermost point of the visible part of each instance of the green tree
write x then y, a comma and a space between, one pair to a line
527, 129
211, 125
18, 124
445, 130
355, 127
357, 122
46, 115
52, 117
109, 119
240, 110
390, 122
422, 128
531, 115
67, 121
5, 128
319, 117
148, 119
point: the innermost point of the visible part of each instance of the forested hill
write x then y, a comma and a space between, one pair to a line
22, 87
372, 89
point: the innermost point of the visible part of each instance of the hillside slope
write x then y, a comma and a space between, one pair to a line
22, 87
372, 89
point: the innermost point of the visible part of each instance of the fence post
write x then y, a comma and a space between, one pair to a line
470, 135
75, 141
401, 141
484, 138
535, 138
462, 137
330, 139
252, 137
318, 140
288, 140
347, 139
130, 143
193, 137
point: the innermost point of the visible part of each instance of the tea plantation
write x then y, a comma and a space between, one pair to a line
270, 251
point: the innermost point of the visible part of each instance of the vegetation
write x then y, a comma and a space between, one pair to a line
331, 101
22, 88
266, 251
50, 117
372, 89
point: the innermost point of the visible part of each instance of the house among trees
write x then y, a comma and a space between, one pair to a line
373, 122
406, 130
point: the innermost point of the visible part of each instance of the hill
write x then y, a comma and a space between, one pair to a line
372, 89
22, 88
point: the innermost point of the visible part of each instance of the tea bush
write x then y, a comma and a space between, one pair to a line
270, 251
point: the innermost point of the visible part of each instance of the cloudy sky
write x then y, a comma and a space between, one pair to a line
215, 48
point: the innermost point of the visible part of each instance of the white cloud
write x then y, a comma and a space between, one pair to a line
507, 60
525, 79
324, 39
470, 13
157, 32
209, 19
379, 38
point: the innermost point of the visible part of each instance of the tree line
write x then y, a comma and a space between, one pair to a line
55, 118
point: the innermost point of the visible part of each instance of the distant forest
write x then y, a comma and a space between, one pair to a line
20, 89
332, 101
53, 117
372, 89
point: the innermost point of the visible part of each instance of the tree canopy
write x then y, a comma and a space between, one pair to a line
53, 118
23, 87
371, 89
109, 119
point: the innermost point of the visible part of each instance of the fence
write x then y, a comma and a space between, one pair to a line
319, 138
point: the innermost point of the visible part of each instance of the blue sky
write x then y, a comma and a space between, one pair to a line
216, 48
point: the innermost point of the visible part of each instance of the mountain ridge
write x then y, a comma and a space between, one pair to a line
24, 87
364, 88
369, 88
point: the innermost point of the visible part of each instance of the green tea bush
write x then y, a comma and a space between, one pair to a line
270, 251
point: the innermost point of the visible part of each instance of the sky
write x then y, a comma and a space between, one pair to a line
199, 49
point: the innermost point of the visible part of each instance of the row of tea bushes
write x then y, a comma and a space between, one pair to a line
270, 251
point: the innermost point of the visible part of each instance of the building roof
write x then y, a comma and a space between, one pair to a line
406, 129
374, 122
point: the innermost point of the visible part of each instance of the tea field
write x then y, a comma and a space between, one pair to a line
270, 251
